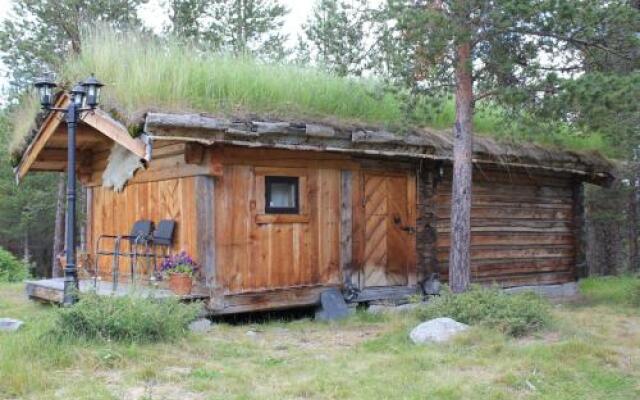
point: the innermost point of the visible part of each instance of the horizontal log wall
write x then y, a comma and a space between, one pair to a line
522, 227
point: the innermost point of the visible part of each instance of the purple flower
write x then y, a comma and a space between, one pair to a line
178, 262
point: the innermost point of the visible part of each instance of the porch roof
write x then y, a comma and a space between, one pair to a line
47, 150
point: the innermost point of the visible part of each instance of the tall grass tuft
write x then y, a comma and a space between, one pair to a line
132, 318
144, 73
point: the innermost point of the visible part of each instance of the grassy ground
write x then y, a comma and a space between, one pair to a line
591, 352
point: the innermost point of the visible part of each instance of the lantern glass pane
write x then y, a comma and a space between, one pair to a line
77, 98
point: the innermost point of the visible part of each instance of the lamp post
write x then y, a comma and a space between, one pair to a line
84, 97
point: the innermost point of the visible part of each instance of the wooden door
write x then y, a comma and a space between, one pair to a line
389, 229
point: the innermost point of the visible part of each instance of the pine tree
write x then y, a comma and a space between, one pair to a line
240, 27
508, 50
37, 34
337, 32
35, 37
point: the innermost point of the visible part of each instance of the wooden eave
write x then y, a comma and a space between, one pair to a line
96, 131
209, 130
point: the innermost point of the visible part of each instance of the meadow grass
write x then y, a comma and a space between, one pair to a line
144, 73
591, 352
615, 290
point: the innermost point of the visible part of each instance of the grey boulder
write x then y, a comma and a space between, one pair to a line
200, 325
437, 330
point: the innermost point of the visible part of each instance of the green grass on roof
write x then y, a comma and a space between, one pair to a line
144, 73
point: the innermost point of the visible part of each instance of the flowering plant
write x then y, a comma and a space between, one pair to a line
180, 263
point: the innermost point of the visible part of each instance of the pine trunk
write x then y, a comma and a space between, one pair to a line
459, 260
58, 236
634, 203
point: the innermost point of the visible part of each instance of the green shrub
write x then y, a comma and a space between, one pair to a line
11, 269
513, 314
131, 318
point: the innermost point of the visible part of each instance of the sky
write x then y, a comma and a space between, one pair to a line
152, 15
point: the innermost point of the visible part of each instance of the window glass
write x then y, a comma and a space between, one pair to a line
281, 194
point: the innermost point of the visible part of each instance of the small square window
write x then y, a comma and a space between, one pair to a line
281, 195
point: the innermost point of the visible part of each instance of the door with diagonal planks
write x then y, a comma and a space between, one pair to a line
389, 229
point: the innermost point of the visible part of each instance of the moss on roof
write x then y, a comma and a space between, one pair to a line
145, 74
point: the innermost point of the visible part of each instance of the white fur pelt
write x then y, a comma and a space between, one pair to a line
121, 167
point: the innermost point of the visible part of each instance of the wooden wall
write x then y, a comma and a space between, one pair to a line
522, 222
261, 252
522, 226
114, 213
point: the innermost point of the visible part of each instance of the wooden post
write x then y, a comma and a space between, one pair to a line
205, 232
346, 227
426, 232
579, 230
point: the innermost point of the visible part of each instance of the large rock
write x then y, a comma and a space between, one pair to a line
436, 330
10, 324
332, 306
200, 325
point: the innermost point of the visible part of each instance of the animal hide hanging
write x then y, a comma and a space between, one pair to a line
121, 167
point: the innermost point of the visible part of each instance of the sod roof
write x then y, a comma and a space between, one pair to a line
144, 75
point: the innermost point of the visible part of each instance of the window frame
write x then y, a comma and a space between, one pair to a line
268, 181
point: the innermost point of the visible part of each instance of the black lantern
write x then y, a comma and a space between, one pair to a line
78, 94
92, 88
45, 91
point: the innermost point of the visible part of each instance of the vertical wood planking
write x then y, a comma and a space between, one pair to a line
205, 229
115, 213
346, 225
358, 227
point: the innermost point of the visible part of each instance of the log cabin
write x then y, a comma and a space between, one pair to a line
277, 211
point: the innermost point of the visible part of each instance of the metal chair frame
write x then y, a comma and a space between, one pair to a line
142, 238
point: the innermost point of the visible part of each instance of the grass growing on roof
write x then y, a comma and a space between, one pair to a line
144, 73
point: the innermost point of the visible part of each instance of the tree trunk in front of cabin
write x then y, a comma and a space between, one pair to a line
58, 235
459, 252
634, 202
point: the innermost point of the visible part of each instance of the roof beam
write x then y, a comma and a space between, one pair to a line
47, 129
102, 122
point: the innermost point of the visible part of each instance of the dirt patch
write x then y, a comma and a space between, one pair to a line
549, 337
310, 339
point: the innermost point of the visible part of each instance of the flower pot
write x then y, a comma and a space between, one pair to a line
180, 284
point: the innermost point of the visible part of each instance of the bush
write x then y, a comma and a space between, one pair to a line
514, 314
11, 269
131, 318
